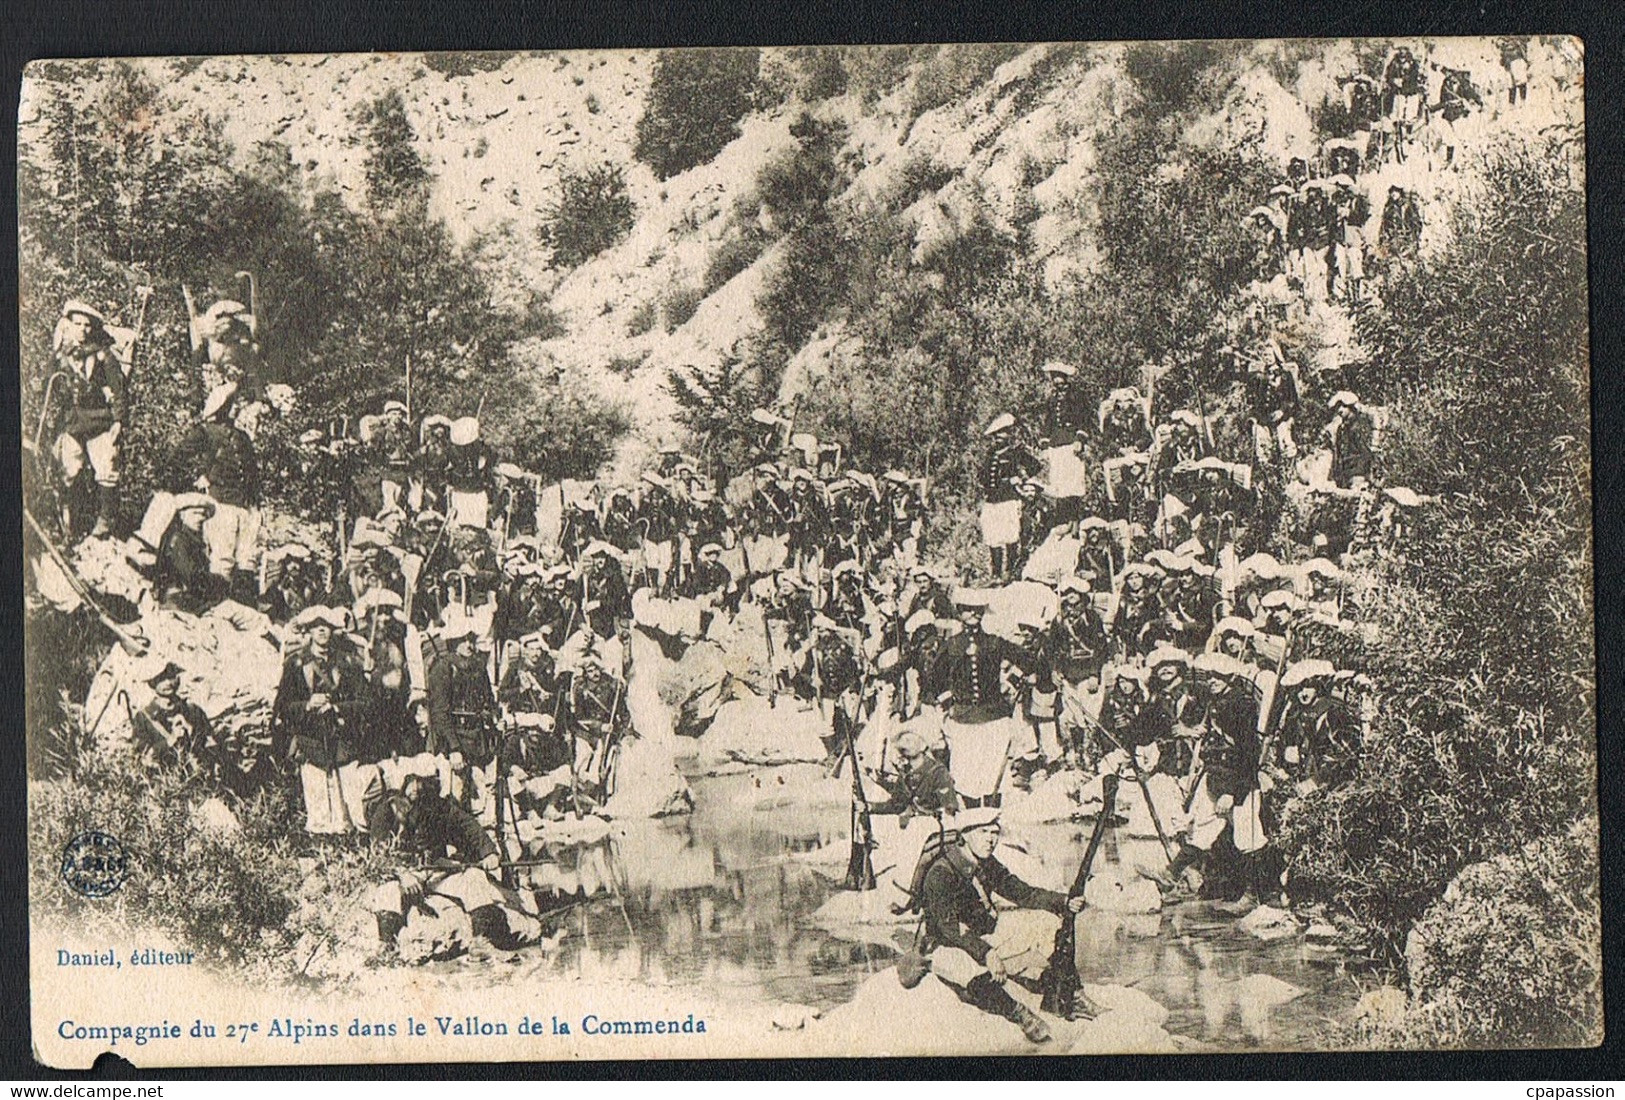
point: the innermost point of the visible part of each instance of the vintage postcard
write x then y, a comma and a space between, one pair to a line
930, 550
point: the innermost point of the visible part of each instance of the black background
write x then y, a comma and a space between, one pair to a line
38, 29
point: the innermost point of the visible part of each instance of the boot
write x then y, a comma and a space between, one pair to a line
106, 506
991, 997
1036, 1030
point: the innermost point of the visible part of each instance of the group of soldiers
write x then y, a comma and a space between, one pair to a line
1316, 227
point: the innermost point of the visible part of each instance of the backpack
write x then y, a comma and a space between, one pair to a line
934, 850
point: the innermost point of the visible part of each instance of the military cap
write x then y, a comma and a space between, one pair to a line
74, 305
1280, 597
320, 615
896, 477
395, 407
977, 817
1167, 655
1185, 416
508, 470
764, 416
919, 620
1233, 624
1220, 664
185, 501
909, 742
711, 548
1302, 672
1056, 366
169, 670
1001, 423
1343, 397
1283, 189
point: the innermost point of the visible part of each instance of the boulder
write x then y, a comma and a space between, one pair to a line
438, 928
1269, 923
752, 730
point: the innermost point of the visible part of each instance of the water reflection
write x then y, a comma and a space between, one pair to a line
722, 900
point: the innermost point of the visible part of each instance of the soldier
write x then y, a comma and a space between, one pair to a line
171, 731
1101, 555
290, 582
1273, 397
1350, 211
922, 785
468, 476
1228, 798
1364, 102
903, 502
657, 517
388, 729
225, 342
319, 701
1400, 235
1038, 518
1349, 436
515, 510
966, 679
1125, 427
1269, 251
1515, 59
810, 525
598, 720
1320, 740
1457, 98
427, 827
223, 456
1404, 95
962, 936
1178, 441
1006, 464
181, 576
433, 465
1135, 609
1312, 237
1076, 647
94, 423
461, 708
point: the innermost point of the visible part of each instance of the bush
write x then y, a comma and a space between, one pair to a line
239, 899
593, 212
562, 429
678, 304
955, 70
738, 251
696, 100
1509, 955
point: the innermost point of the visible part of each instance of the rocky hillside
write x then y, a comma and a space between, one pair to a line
942, 137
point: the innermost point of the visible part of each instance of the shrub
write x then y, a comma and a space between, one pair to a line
233, 898
592, 213
738, 250
955, 70
1509, 955
696, 100
678, 304
564, 429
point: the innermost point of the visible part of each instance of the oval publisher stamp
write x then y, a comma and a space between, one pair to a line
95, 864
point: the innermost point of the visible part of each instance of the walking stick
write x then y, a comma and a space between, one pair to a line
133, 644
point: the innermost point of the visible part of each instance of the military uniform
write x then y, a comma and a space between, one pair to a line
461, 709
97, 410
326, 740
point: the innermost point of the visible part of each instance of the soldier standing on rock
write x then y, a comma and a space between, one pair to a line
223, 455
96, 412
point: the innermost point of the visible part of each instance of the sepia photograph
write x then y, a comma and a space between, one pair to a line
809, 551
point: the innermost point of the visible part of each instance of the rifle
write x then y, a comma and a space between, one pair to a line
860, 868
1060, 980
1139, 779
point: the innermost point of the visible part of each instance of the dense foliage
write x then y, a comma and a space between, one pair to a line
696, 101
593, 211
359, 302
